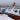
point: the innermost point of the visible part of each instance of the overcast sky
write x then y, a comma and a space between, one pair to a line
8, 2
2, 2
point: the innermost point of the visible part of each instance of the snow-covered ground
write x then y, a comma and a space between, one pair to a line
10, 18
5, 17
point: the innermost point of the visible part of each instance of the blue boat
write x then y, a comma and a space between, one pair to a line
6, 13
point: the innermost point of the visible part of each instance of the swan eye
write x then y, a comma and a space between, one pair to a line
19, 11
15, 10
